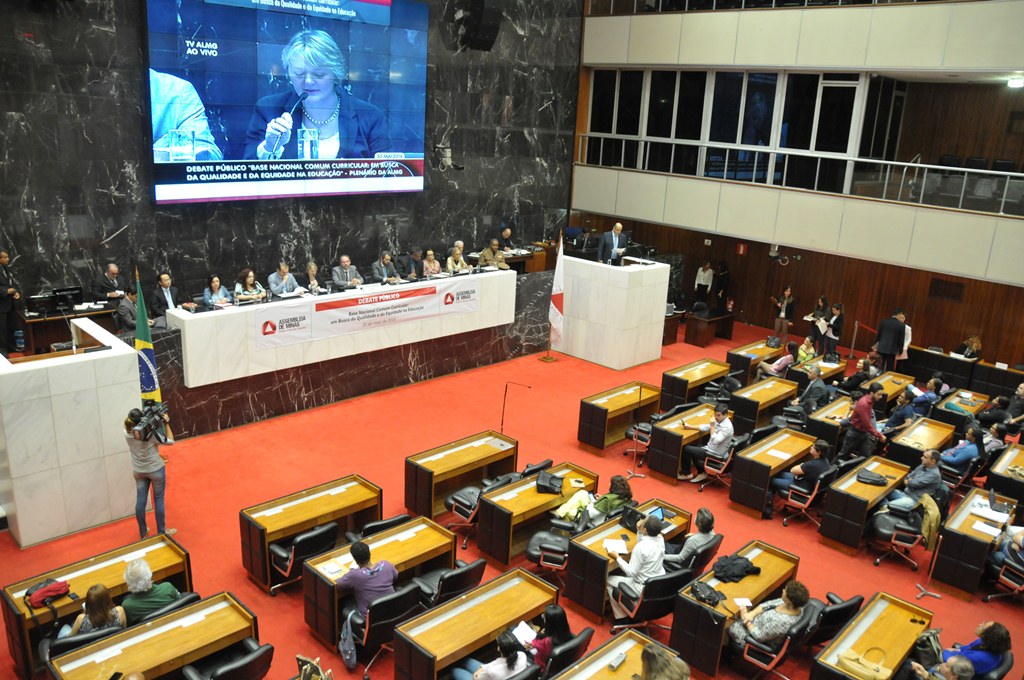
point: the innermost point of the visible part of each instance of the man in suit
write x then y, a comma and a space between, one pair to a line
384, 269
891, 334
9, 294
411, 266
126, 309
167, 297
493, 257
505, 239
346, 274
814, 394
611, 246
110, 285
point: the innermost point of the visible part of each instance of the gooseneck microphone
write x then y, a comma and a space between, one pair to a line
302, 98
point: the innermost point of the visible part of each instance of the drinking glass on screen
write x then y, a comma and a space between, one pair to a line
309, 143
183, 146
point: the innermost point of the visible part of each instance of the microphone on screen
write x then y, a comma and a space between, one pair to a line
302, 98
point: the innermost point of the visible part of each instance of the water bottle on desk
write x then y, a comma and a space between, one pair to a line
19, 341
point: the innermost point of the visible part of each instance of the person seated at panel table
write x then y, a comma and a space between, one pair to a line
456, 263
682, 553
511, 660
247, 288
778, 368
126, 310
366, 581
923, 402
806, 473
657, 663
492, 256
144, 597
901, 417
969, 348
383, 270
646, 560
348, 127
167, 297
214, 293
110, 285
458, 244
814, 394
505, 239
410, 266
806, 351
431, 265
99, 612
995, 411
854, 380
309, 280
966, 452
771, 620
282, 281
721, 431
346, 274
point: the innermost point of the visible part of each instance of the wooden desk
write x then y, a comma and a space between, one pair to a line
893, 383
604, 417
433, 474
922, 435
758, 402
670, 332
824, 423
42, 332
669, 436
699, 631
589, 564
747, 357
960, 560
701, 330
680, 385
1001, 480
414, 547
754, 467
426, 645
798, 374
168, 560
987, 378
506, 510
849, 502
594, 666
923, 364
522, 263
886, 622
162, 646
970, 402
351, 501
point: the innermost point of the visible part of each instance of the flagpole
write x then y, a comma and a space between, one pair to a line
559, 253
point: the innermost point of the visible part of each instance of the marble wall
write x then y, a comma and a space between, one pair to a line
246, 400
75, 176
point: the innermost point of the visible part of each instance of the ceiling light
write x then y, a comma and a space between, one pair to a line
1015, 82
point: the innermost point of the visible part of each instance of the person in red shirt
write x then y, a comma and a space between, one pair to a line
862, 433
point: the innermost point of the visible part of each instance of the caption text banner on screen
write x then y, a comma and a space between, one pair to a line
321, 8
297, 322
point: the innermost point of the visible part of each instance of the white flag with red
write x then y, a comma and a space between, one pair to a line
555, 314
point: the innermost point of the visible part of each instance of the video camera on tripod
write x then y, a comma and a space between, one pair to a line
148, 420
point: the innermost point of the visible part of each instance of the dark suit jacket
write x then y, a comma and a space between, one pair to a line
380, 272
407, 264
6, 301
813, 395
158, 303
103, 285
362, 126
837, 326
604, 246
891, 334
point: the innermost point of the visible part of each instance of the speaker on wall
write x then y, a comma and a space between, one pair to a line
470, 24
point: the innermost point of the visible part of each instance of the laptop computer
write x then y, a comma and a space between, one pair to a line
996, 505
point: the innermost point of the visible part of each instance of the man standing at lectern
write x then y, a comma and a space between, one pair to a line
611, 246
8, 296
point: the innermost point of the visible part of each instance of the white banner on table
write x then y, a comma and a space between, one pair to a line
381, 307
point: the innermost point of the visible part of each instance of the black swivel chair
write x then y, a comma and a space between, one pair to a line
718, 468
51, 649
641, 433
247, 660
767, 656
899, 531
371, 528
439, 586
549, 550
185, 599
531, 672
801, 495
656, 600
720, 393
1000, 671
836, 614
763, 432
376, 630
465, 503
1010, 577
286, 557
568, 653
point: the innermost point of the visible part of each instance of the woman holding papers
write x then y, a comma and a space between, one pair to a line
834, 328
554, 632
456, 263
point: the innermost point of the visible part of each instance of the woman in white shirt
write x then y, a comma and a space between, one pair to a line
511, 660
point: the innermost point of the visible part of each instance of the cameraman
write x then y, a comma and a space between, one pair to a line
148, 468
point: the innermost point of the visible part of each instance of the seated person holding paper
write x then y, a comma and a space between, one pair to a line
282, 282
645, 561
966, 452
383, 270
682, 554
902, 415
431, 265
346, 274
110, 285
923, 402
367, 581
718, 444
126, 309
492, 256
1011, 547
411, 266
554, 631
771, 620
456, 263
309, 280
511, 660
247, 288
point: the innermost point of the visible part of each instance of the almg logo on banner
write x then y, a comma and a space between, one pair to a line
283, 324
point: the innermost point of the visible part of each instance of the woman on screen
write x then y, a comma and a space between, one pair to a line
342, 125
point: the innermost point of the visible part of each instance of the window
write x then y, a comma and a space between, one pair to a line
834, 119
631, 85
798, 113
725, 107
759, 109
690, 105
602, 101
661, 103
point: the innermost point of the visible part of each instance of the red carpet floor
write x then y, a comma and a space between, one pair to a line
211, 477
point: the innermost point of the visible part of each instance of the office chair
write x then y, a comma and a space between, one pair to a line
51, 649
376, 630
286, 557
549, 550
439, 586
465, 503
568, 653
899, 531
720, 393
836, 614
1000, 671
656, 600
976, 163
763, 432
701, 558
247, 660
1010, 577
639, 438
375, 527
531, 672
767, 656
509, 477
717, 469
959, 482
185, 599
1003, 165
800, 496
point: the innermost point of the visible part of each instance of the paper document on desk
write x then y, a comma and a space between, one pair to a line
524, 632
986, 529
781, 455
616, 545
333, 567
990, 514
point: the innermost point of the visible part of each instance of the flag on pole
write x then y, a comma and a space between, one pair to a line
555, 313
149, 384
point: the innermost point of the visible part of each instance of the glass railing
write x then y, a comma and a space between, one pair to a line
933, 185
597, 8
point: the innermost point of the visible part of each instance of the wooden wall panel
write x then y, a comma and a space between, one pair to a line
868, 290
964, 120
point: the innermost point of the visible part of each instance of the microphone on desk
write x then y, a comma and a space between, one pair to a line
302, 98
